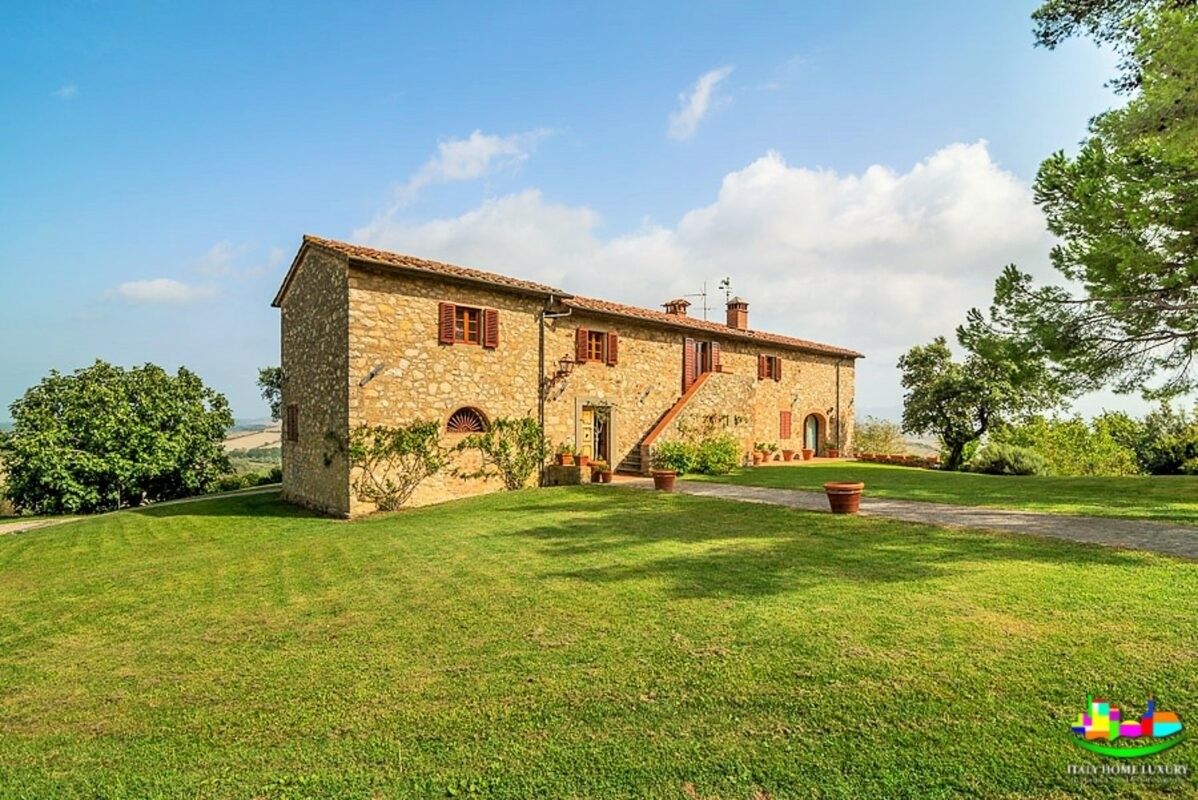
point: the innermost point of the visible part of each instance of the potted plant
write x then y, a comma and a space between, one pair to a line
808, 453
771, 452
761, 452
788, 455
600, 472
669, 458
582, 459
565, 455
844, 496
831, 449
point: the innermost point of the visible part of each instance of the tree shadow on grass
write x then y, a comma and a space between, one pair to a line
708, 548
253, 503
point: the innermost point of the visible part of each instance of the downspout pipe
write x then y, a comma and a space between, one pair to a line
544, 315
839, 421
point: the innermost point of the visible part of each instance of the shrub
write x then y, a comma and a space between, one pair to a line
874, 435
677, 455
228, 483
997, 458
391, 462
717, 455
511, 449
1072, 446
275, 475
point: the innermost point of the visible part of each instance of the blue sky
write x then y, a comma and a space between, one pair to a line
859, 170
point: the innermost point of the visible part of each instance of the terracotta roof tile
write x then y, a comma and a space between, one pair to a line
387, 258
678, 321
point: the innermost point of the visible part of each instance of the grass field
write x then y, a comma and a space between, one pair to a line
1172, 498
587, 642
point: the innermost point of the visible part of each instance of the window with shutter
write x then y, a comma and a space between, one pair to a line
291, 422
490, 328
613, 348
596, 344
784, 425
688, 363
580, 345
715, 356
445, 323
769, 367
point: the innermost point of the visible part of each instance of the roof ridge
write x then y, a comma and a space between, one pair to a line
598, 305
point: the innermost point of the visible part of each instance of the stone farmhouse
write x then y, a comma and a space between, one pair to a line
374, 337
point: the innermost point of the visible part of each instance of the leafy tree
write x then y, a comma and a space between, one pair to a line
270, 382
960, 401
872, 435
1115, 23
1126, 211
510, 449
390, 462
105, 437
1072, 446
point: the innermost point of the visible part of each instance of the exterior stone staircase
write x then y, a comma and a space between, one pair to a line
639, 459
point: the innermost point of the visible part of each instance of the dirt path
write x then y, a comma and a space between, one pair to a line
1158, 537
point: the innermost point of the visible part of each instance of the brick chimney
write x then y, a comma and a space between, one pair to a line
677, 306
738, 314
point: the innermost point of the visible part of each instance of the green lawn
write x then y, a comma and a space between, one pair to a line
1172, 498
586, 642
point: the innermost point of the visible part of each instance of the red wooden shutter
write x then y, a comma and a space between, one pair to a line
715, 356
490, 328
777, 365
613, 348
580, 345
761, 367
784, 425
688, 363
445, 323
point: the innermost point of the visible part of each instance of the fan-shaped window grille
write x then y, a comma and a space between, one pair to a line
466, 420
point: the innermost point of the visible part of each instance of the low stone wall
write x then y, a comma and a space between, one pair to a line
926, 462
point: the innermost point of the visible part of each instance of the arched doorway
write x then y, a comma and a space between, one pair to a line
811, 433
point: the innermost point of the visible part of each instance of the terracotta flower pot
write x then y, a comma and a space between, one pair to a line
788, 455
663, 479
605, 476
565, 459
844, 497
758, 457
583, 460
833, 452
808, 454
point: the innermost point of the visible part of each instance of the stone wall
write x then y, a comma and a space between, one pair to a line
314, 341
395, 371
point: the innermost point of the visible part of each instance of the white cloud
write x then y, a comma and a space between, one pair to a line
877, 261
694, 105
227, 260
67, 91
471, 158
162, 291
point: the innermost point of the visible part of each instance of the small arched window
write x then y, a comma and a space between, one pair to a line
466, 420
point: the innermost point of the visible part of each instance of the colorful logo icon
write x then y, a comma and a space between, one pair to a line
1102, 720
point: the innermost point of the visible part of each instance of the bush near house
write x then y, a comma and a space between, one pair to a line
390, 462
510, 449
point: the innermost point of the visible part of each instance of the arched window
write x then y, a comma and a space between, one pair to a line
466, 420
